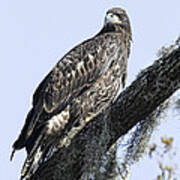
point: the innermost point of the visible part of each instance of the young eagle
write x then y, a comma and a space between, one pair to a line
82, 84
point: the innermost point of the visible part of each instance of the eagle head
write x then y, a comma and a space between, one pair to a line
116, 19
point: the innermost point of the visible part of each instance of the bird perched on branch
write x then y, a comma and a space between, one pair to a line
80, 86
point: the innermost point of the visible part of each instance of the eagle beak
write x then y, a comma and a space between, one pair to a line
118, 22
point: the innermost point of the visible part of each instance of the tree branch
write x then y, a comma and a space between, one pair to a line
152, 87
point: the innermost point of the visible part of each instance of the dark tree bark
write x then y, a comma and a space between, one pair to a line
151, 88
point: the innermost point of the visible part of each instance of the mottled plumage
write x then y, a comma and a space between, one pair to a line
82, 84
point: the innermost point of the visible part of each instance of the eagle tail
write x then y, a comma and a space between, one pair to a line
38, 154
33, 159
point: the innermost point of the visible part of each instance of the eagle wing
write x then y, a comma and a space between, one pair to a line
78, 74
71, 76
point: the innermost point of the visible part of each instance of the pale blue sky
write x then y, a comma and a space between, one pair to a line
35, 34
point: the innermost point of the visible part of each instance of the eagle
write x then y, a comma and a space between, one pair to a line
82, 84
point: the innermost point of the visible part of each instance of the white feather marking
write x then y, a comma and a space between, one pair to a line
79, 65
35, 163
119, 91
73, 73
91, 57
37, 156
58, 121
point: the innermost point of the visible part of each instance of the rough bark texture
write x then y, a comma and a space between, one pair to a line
152, 87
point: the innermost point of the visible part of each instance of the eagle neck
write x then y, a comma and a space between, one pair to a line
111, 28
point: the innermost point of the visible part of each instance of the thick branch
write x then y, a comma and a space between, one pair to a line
152, 87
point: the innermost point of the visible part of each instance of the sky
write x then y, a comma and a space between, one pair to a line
34, 35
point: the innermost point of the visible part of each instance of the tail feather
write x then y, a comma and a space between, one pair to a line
32, 161
38, 154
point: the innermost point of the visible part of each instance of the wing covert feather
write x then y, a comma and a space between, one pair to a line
70, 76
75, 72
